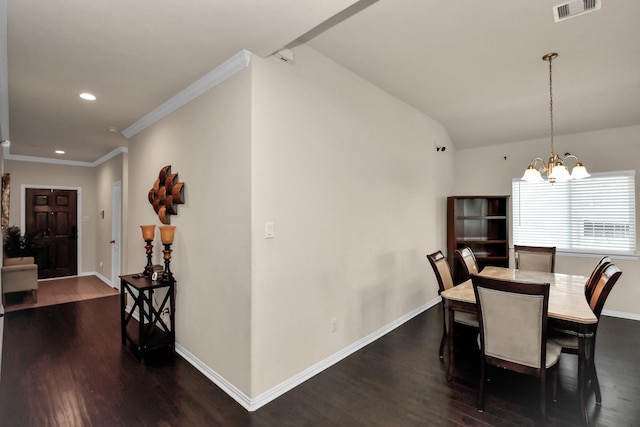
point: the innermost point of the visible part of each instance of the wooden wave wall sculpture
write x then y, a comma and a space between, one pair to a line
166, 194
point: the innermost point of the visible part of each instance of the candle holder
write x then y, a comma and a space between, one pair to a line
148, 234
166, 235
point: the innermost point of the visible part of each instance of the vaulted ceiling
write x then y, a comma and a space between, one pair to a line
474, 66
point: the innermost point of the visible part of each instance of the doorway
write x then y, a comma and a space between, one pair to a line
116, 232
51, 218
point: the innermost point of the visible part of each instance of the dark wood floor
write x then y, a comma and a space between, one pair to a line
65, 366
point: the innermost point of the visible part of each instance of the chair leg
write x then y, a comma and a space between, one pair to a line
35, 295
554, 382
442, 343
543, 394
596, 384
480, 404
444, 331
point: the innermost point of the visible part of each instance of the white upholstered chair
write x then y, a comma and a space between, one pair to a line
513, 331
602, 280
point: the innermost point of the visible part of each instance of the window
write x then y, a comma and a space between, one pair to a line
592, 215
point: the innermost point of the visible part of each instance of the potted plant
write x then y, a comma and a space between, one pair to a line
16, 245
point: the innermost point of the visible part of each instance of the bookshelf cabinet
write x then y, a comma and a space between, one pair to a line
482, 223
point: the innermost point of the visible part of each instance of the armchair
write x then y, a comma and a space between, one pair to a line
19, 274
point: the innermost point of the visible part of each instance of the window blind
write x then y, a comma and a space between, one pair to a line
592, 215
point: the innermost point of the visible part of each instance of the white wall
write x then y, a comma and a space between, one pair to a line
207, 143
351, 179
486, 171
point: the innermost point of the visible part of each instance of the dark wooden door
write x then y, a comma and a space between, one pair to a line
51, 217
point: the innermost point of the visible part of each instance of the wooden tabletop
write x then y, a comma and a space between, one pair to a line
566, 294
143, 283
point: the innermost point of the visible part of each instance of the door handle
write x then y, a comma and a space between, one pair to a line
112, 241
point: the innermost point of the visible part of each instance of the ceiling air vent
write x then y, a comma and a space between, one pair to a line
574, 8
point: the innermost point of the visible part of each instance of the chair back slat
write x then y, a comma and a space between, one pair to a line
603, 287
468, 261
595, 276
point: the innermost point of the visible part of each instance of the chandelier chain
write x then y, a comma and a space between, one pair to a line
551, 102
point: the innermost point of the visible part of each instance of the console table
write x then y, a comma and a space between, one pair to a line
152, 331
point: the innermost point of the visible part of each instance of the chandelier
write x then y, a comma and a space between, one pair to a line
554, 169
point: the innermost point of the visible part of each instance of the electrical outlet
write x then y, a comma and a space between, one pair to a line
334, 325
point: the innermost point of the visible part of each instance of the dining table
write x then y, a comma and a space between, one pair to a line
568, 311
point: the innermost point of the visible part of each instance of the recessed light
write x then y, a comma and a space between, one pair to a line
59, 151
112, 129
88, 96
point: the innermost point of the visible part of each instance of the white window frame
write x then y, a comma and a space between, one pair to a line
595, 215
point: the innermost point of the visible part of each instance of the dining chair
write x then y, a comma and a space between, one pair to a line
595, 276
603, 285
442, 271
468, 262
513, 331
535, 258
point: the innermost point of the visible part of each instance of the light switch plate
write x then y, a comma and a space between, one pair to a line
268, 230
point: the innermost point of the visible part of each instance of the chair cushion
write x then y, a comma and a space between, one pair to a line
465, 318
564, 340
553, 352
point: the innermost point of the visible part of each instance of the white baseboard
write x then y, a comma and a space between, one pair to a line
101, 277
83, 274
216, 378
621, 314
252, 404
277, 391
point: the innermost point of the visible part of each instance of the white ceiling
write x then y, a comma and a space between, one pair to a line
475, 66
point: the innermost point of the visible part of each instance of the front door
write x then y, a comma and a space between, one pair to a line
51, 217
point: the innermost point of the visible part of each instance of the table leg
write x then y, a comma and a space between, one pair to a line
141, 337
172, 311
123, 309
450, 343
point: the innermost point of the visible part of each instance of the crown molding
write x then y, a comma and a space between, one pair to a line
20, 158
231, 66
110, 155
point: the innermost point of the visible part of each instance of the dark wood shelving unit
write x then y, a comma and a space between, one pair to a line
482, 223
